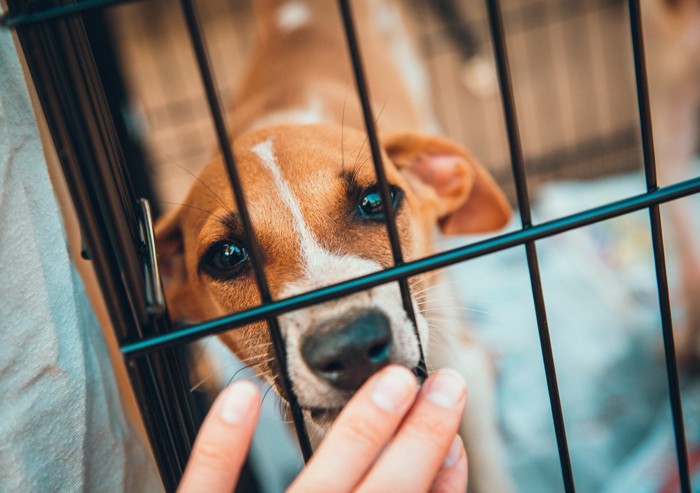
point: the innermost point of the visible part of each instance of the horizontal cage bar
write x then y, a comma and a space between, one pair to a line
443, 259
13, 21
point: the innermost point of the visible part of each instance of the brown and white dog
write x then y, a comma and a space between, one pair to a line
301, 152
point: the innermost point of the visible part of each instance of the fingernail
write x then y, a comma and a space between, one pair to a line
239, 402
447, 389
394, 388
454, 453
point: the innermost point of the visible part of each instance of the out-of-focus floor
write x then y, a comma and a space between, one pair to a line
570, 62
602, 307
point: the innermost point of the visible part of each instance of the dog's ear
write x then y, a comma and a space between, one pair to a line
467, 197
171, 256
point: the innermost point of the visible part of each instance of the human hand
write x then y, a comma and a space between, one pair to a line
389, 437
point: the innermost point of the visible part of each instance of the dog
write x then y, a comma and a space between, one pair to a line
301, 152
672, 32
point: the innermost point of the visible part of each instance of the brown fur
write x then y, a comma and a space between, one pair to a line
323, 166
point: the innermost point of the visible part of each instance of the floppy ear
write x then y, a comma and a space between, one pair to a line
171, 257
468, 199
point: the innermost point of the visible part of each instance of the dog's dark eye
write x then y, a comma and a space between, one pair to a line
371, 205
225, 259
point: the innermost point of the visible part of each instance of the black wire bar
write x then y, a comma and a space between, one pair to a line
389, 213
658, 245
416, 267
204, 64
501, 53
67, 80
139, 337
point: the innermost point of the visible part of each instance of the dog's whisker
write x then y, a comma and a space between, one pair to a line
454, 324
434, 286
214, 196
253, 356
258, 346
429, 301
213, 374
355, 165
463, 308
203, 211
269, 388
258, 365
357, 157
237, 372
265, 374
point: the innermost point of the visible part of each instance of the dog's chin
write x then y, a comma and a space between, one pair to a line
323, 417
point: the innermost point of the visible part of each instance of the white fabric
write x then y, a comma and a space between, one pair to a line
601, 299
62, 426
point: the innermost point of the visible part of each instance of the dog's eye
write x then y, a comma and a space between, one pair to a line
225, 259
371, 205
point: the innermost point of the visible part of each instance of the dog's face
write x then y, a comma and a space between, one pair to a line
319, 220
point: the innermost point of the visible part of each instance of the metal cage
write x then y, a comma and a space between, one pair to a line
71, 72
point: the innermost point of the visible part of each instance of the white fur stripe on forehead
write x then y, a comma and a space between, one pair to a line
310, 247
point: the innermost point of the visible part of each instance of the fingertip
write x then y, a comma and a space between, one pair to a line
240, 401
394, 388
446, 388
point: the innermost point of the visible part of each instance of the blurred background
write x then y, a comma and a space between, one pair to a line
571, 64
572, 69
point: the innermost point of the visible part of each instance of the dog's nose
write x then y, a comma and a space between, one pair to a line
347, 356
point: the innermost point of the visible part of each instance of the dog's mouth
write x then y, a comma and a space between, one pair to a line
326, 415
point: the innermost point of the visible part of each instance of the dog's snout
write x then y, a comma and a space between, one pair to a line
348, 353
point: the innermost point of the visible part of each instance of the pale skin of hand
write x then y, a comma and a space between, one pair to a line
391, 436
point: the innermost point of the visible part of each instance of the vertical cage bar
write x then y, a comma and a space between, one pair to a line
68, 83
389, 214
205, 71
658, 245
505, 83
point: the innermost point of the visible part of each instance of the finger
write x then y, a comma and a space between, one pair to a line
223, 441
360, 432
415, 455
452, 477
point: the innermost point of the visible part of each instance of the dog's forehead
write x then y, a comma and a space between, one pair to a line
286, 172
301, 156
314, 161
306, 152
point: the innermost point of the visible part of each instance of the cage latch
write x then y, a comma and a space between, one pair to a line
155, 299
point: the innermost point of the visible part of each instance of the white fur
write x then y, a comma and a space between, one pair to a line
321, 268
308, 115
454, 347
293, 15
310, 248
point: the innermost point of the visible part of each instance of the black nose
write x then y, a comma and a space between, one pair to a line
346, 353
